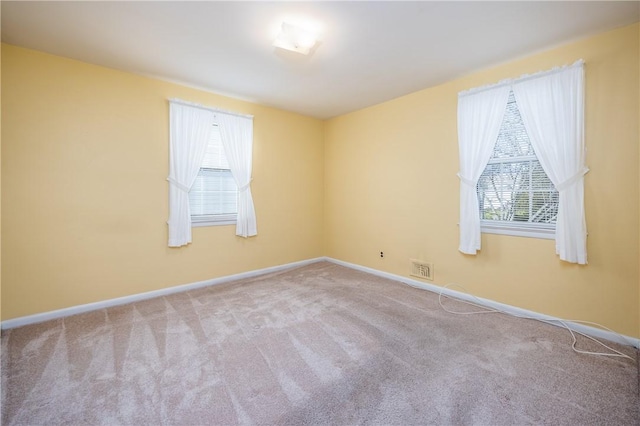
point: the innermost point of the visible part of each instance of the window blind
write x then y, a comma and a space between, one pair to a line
214, 194
513, 186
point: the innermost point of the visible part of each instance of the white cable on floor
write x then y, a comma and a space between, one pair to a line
487, 310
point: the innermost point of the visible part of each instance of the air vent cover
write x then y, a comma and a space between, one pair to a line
421, 269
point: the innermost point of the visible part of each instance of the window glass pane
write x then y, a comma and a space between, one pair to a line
545, 206
214, 157
512, 139
539, 179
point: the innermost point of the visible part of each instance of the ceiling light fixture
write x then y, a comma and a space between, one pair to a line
295, 39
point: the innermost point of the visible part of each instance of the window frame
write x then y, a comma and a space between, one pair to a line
213, 220
518, 229
198, 221
539, 230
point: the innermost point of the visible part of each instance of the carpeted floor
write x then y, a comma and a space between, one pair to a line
321, 344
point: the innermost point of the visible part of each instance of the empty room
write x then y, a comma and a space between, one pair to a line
321, 213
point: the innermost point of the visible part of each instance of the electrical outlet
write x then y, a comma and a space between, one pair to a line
381, 254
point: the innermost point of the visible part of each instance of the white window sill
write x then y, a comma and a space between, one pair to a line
213, 220
530, 230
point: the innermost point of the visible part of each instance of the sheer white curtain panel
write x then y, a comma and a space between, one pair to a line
552, 109
480, 115
237, 139
190, 131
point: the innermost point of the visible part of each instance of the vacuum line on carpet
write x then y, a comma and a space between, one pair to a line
562, 322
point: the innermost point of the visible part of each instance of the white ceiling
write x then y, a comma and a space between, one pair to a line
370, 51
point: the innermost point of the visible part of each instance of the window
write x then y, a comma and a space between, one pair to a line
222, 193
213, 198
515, 195
510, 193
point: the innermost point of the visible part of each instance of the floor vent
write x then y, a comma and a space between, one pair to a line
421, 269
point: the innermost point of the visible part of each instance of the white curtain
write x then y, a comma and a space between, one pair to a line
552, 109
237, 139
480, 115
190, 131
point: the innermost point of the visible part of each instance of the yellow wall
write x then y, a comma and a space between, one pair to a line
84, 195
391, 185
0, 182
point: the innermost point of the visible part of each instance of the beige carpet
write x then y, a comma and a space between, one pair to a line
321, 344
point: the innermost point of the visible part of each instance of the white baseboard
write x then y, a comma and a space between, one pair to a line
581, 328
61, 313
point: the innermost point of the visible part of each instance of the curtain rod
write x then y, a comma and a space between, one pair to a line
511, 81
222, 111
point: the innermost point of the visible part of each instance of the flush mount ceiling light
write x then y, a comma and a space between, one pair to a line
295, 39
